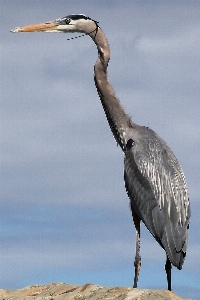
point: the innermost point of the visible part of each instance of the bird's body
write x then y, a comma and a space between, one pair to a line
157, 189
153, 177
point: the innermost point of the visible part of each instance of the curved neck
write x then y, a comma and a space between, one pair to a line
119, 121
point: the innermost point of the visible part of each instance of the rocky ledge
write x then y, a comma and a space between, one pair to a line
62, 291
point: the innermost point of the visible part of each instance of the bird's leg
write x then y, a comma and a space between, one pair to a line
137, 262
168, 268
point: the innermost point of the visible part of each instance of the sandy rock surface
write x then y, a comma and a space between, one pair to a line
62, 291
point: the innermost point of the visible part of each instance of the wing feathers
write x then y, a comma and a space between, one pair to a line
157, 189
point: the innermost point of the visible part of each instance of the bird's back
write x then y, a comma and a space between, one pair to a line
158, 193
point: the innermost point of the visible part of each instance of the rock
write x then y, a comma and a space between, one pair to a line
62, 291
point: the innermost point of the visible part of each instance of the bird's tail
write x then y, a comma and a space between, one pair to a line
174, 241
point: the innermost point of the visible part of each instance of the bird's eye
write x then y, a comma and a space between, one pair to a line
67, 21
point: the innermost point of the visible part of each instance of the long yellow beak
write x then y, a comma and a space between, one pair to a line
47, 26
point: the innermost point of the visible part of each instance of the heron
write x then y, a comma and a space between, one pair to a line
154, 180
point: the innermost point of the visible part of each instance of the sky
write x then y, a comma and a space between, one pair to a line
64, 212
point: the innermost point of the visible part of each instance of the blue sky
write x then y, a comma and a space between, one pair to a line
64, 214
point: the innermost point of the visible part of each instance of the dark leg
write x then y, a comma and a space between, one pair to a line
168, 268
137, 262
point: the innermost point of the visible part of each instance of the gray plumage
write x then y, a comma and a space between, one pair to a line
157, 189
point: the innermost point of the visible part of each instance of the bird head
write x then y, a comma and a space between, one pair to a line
70, 23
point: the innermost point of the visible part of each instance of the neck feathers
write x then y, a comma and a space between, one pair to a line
118, 120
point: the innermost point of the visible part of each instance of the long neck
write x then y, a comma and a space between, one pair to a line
118, 120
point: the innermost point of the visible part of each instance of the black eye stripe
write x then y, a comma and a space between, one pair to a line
67, 20
76, 17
